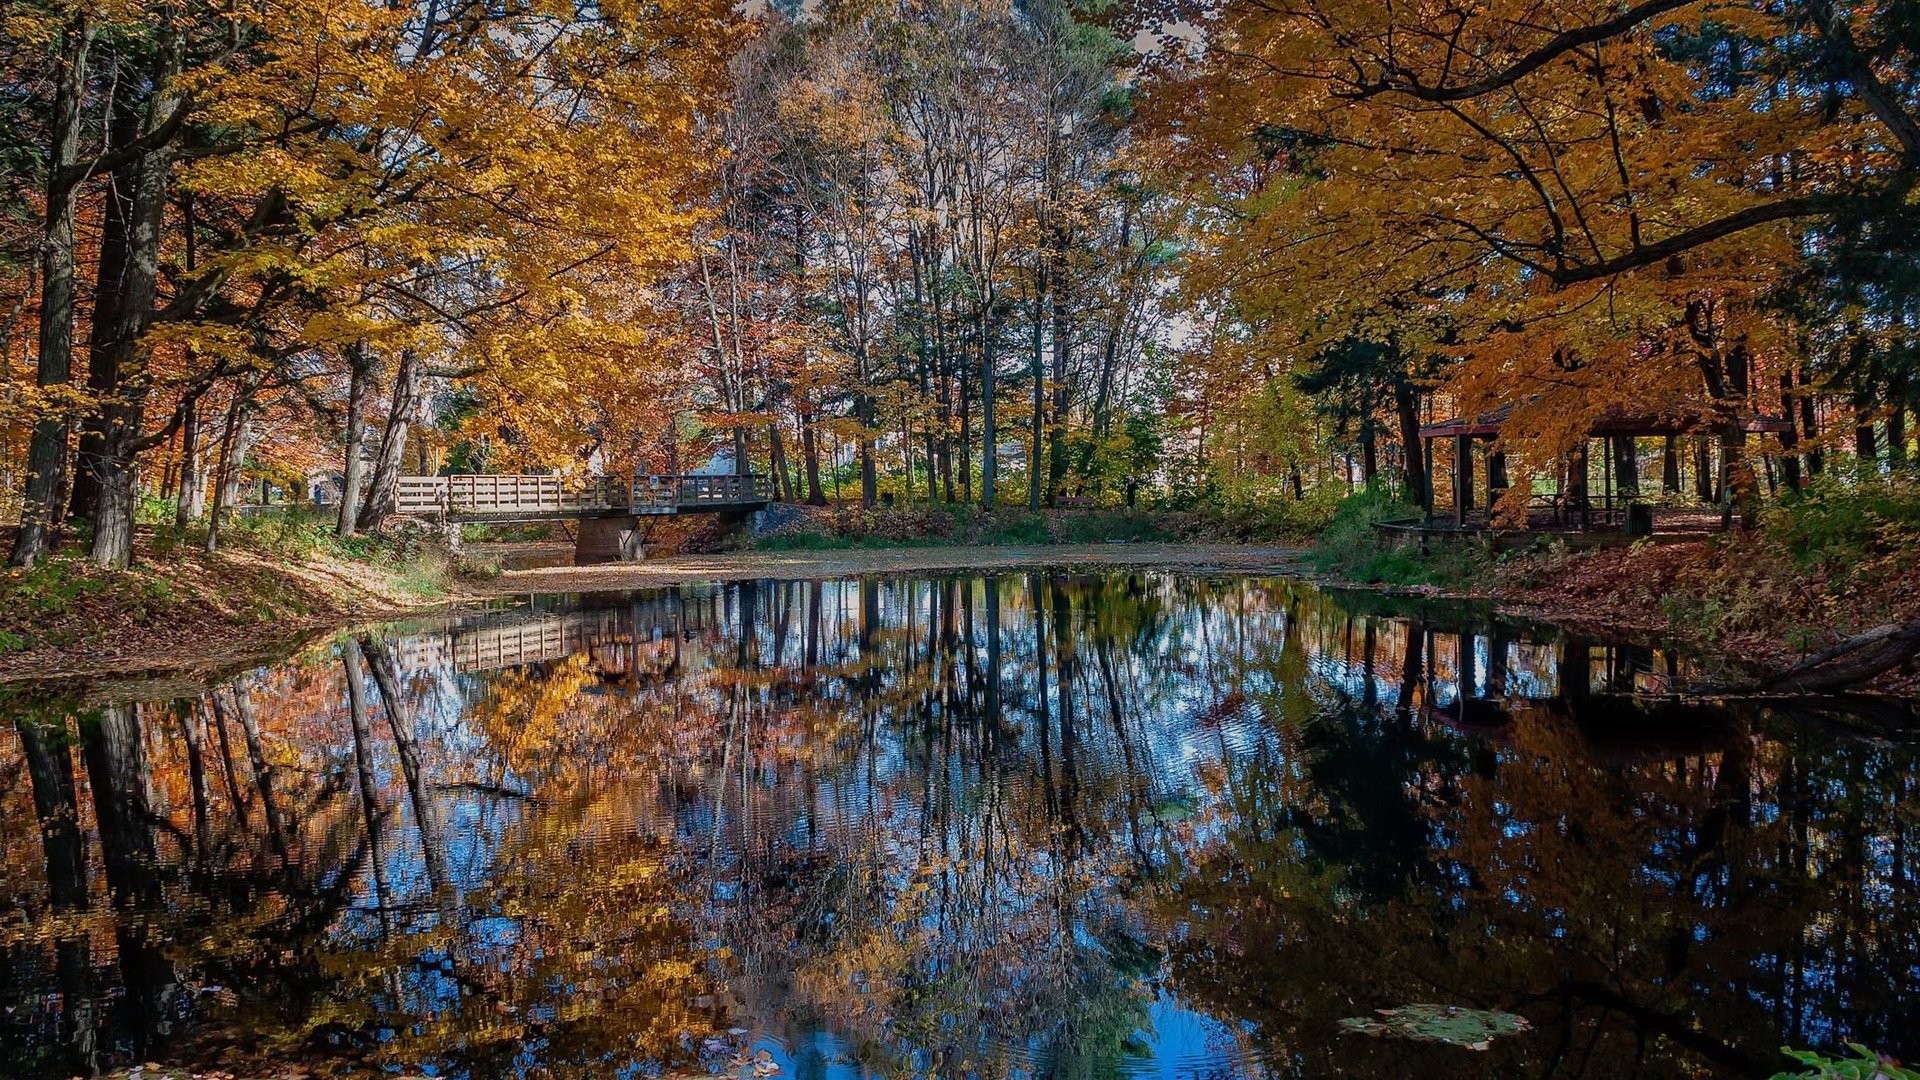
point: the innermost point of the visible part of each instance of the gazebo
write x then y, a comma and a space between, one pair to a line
1572, 505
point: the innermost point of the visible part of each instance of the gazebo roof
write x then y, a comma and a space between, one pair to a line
1615, 421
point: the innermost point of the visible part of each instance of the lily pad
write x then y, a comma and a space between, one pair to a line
1474, 1029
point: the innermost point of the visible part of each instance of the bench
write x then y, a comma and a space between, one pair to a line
1074, 502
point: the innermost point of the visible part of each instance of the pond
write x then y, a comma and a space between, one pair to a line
1031, 824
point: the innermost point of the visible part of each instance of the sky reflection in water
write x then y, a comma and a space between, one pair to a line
1030, 824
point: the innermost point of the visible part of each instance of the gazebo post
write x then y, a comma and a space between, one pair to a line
1427, 488
1606, 474
1462, 478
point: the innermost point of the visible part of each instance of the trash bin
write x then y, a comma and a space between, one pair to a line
1639, 519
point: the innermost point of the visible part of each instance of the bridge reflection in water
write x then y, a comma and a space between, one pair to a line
1040, 824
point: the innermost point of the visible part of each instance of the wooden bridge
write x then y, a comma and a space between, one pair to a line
607, 508
540, 498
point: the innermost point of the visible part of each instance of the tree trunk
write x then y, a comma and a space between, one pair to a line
1865, 444
1670, 465
966, 434
125, 376
810, 454
1414, 459
47, 453
1369, 451
869, 478
244, 436
353, 466
1703, 485
235, 440
1740, 488
193, 470
1039, 392
116, 503
1897, 420
1852, 662
1626, 465
393, 442
1575, 494
1062, 348
1810, 425
777, 464
110, 307
989, 427
1116, 327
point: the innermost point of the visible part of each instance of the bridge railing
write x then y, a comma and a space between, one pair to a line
483, 494
720, 489
507, 494
653, 492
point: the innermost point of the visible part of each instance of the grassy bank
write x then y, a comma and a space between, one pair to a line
272, 578
849, 527
1836, 560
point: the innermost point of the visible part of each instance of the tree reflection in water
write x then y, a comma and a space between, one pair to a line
1032, 823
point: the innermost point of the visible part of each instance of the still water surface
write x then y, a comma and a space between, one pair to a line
1026, 824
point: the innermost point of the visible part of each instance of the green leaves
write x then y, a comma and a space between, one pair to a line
1863, 1065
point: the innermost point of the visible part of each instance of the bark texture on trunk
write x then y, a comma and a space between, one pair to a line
1703, 485
1413, 455
235, 440
353, 466
45, 490
109, 316
192, 505
124, 376
1039, 393
393, 442
1852, 662
989, 420
810, 455
1810, 425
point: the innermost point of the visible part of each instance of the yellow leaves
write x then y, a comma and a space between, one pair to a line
1466, 216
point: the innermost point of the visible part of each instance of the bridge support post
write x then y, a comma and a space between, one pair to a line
608, 539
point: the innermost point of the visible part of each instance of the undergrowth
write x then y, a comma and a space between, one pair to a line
1352, 548
1834, 560
1841, 556
849, 527
1860, 1063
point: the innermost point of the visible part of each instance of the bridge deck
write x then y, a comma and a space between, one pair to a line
532, 498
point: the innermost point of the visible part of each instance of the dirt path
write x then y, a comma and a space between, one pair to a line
790, 565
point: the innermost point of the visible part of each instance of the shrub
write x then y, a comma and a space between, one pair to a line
1351, 547
1860, 1064
1848, 519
